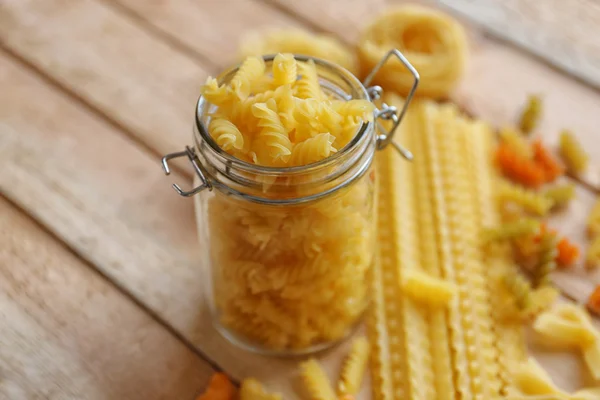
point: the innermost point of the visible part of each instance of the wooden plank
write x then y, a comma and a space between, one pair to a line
343, 18
210, 28
110, 63
565, 33
109, 201
68, 333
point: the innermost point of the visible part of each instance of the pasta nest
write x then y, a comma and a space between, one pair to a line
433, 42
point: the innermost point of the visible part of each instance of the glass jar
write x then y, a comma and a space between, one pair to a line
289, 250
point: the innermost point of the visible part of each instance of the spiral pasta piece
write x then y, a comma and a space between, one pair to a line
512, 230
316, 381
251, 70
573, 153
527, 199
592, 257
277, 145
546, 259
226, 134
593, 221
518, 168
284, 69
217, 95
516, 142
568, 253
519, 288
560, 195
433, 42
313, 149
354, 367
308, 87
531, 114
299, 42
551, 166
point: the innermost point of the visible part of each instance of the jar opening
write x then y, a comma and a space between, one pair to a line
289, 184
333, 78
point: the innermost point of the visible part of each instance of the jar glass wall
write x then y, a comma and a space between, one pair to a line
289, 249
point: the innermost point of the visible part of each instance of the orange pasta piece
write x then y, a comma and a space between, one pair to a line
593, 303
568, 253
518, 168
219, 388
550, 164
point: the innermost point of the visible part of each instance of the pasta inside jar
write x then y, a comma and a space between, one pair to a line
286, 144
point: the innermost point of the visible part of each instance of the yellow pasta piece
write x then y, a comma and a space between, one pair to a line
516, 141
590, 350
284, 69
572, 153
529, 200
434, 43
587, 394
252, 69
560, 195
531, 114
592, 257
541, 300
593, 221
426, 289
316, 381
354, 367
531, 379
561, 332
252, 389
226, 134
513, 230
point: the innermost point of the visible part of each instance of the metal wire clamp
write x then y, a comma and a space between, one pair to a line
191, 155
390, 112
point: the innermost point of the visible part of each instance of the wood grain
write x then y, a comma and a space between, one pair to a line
67, 333
110, 63
110, 202
565, 33
343, 18
210, 28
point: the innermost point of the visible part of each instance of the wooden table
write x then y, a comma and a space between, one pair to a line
100, 290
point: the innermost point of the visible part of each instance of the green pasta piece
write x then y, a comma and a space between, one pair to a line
527, 199
561, 195
546, 259
512, 230
531, 114
520, 288
572, 153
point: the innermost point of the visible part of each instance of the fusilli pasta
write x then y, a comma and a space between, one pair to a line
527, 199
531, 114
560, 195
316, 381
353, 368
573, 153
